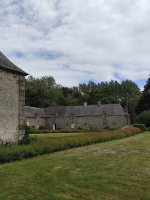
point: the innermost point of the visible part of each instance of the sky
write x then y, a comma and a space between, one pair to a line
78, 40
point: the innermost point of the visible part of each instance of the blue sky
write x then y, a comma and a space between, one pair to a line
77, 41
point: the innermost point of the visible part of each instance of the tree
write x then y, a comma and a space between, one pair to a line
70, 97
42, 92
144, 102
144, 118
129, 94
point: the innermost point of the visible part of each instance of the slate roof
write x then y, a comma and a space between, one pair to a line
33, 112
66, 111
6, 64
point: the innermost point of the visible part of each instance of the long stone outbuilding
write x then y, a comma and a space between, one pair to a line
112, 115
12, 101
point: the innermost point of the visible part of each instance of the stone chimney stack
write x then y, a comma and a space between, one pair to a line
98, 104
85, 104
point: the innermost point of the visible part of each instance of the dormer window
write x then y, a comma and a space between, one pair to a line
72, 116
37, 116
104, 115
54, 116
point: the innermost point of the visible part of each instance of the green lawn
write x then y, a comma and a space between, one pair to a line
113, 170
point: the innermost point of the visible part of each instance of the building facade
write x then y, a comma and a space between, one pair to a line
73, 117
12, 101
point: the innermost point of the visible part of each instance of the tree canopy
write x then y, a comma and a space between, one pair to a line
144, 102
45, 92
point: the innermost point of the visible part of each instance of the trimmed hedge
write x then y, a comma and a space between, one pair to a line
35, 131
44, 145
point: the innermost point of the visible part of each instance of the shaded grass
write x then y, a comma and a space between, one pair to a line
113, 170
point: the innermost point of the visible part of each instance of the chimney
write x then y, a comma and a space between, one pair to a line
98, 104
85, 104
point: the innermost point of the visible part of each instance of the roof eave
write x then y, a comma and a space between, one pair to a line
13, 71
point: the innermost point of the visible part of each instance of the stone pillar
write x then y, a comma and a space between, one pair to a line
21, 107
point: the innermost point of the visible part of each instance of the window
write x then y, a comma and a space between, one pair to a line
72, 125
28, 123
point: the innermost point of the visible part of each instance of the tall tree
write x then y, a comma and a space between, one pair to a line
144, 102
129, 94
42, 92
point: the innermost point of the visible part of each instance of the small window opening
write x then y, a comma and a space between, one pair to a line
28, 123
72, 125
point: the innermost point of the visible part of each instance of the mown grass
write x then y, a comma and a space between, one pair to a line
112, 170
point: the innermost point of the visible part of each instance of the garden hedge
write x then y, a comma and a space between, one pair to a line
45, 145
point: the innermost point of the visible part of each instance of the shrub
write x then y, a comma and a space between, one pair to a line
143, 118
26, 138
79, 128
114, 129
42, 127
93, 129
32, 130
107, 128
141, 127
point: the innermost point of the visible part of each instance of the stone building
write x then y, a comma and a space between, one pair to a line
12, 101
112, 115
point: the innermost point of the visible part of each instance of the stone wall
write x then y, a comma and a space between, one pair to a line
21, 104
9, 98
36, 122
85, 122
78, 122
12, 107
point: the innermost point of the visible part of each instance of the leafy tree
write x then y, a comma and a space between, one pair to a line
41, 92
144, 118
44, 92
70, 96
144, 102
129, 94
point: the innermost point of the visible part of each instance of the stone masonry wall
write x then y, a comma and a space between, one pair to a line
9, 113
85, 122
36, 122
21, 108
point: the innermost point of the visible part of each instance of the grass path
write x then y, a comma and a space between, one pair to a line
108, 171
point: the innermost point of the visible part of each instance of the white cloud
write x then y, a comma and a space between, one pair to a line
92, 39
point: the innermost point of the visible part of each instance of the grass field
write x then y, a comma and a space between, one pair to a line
113, 170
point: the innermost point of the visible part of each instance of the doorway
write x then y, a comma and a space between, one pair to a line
54, 126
